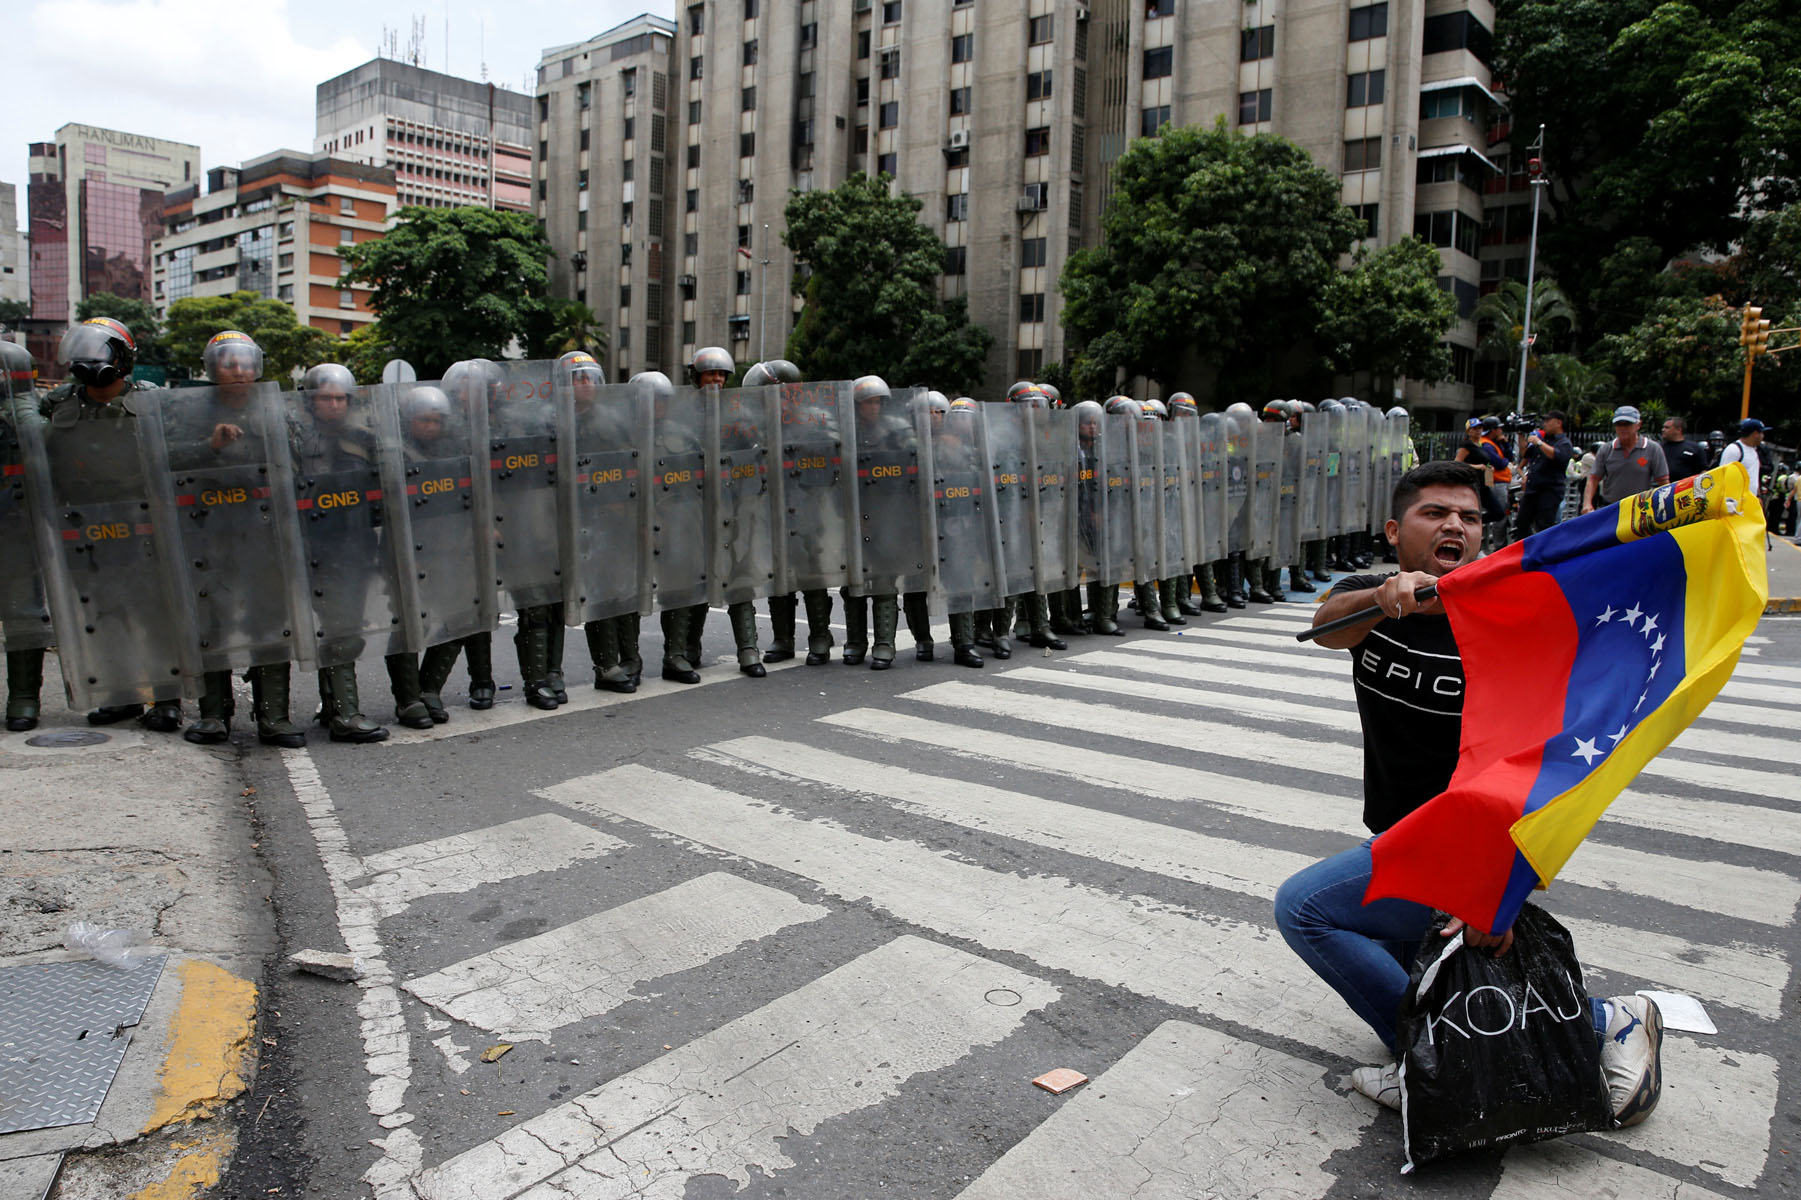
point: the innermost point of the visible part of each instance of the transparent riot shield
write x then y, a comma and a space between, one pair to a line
1090, 503
744, 443
1053, 449
1312, 489
895, 549
349, 493
604, 443
1241, 434
1009, 471
681, 551
1178, 557
1334, 508
1375, 465
1288, 515
522, 464
24, 610
1209, 441
1147, 500
968, 532
817, 482
1121, 500
1399, 435
1266, 488
444, 531
1356, 469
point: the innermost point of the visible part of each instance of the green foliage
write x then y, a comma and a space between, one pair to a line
287, 345
1685, 353
455, 283
1388, 316
571, 325
1216, 244
14, 311
871, 291
1582, 390
366, 350
1501, 323
137, 316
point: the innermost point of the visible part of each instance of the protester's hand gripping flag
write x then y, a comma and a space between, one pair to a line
1587, 649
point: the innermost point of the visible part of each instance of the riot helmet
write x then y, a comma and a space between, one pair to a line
1275, 410
937, 406
712, 366
1182, 405
1176, 398
1088, 420
758, 375
774, 370
868, 389
1125, 405
1051, 394
1240, 409
1330, 406
1031, 395
232, 357
98, 352
327, 389
660, 386
1155, 408
1397, 411
585, 375
1304, 406
427, 412
17, 370
1019, 385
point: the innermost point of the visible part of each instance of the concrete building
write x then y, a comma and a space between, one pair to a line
450, 141
273, 227
1006, 121
15, 276
604, 185
95, 198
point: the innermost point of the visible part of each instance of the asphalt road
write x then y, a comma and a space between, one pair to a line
815, 935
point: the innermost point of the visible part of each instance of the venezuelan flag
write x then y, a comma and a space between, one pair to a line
1587, 648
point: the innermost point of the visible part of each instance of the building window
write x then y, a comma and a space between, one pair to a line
581, 219
625, 213
1458, 31
1363, 154
1031, 362
1031, 306
956, 260
744, 236
581, 181
750, 10
694, 156
860, 141
862, 91
697, 19
963, 47
1254, 107
694, 67
1155, 118
890, 63
1369, 21
1038, 85
747, 144
1038, 141
956, 159
888, 164
805, 87
285, 263
1039, 31
1159, 63
629, 128
1031, 252
1370, 215
628, 80
956, 208
625, 254
346, 299
748, 100
693, 112
888, 116
809, 35
891, 12
1159, 8
1449, 231
693, 200
691, 247
1258, 43
750, 53
1365, 87
583, 96
687, 333
582, 142
743, 283
1450, 102
959, 102
346, 237
625, 295
863, 44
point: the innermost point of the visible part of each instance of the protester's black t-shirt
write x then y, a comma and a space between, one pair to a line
1409, 680
1546, 472
1686, 458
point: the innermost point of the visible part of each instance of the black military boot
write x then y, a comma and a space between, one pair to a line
216, 709
1168, 592
856, 628
555, 631
1298, 581
963, 640
1066, 613
1041, 634
1316, 561
403, 678
1258, 594
886, 619
919, 624
603, 650
630, 661
346, 723
980, 629
532, 643
24, 680
819, 626
434, 672
1235, 581
1272, 580
1183, 586
676, 667
743, 616
781, 623
162, 717
1103, 604
112, 714
1210, 597
1150, 606
478, 649
269, 705
1000, 624
697, 619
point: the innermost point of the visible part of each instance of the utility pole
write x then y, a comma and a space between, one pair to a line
1536, 167
763, 297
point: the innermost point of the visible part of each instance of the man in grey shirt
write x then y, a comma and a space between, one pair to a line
1626, 466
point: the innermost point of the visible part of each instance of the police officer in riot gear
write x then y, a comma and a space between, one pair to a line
682, 626
23, 589
1236, 581
1103, 598
1147, 594
1174, 603
1091, 484
736, 436
1030, 612
612, 641
913, 604
477, 647
782, 608
1182, 407
958, 456
877, 599
1313, 553
1265, 574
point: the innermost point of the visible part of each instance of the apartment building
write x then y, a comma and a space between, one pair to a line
274, 226
1006, 120
450, 141
15, 278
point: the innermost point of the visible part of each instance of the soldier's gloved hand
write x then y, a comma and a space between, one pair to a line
225, 434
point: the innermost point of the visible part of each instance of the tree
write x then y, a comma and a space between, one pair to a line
570, 325
137, 316
870, 282
1501, 323
1583, 391
1686, 354
1215, 243
14, 311
366, 350
288, 346
1387, 315
454, 283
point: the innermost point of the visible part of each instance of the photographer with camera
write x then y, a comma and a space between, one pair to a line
1548, 454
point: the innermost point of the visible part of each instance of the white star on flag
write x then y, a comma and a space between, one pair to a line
1632, 615
1587, 751
1654, 665
1650, 624
1615, 737
1605, 617
1657, 646
1641, 701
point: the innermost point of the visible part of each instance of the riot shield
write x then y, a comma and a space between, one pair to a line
895, 548
817, 482
1400, 427
743, 441
350, 492
1121, 499
969, 538
1241, 434
1356, 469
1053, 447
522, 465
1090, 504
681, 551
444, 532
1178, 557
1147, 494
1383, 473
1334, 507
1375, 466
1009, 471
1288, 515
1209, 442
603, 441
24, 610
1312, 490
1266, 488
122, 634
222, 484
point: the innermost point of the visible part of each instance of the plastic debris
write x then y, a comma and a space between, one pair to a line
342, 967
1059, 1081
125, 949
495, 1052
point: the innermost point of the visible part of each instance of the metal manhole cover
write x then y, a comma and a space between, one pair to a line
63, 1031
68, 739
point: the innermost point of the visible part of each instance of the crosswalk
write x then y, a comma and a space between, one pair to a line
902, 909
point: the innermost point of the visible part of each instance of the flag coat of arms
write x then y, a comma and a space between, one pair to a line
1587, 649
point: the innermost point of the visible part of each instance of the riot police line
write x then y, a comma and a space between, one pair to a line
193, 532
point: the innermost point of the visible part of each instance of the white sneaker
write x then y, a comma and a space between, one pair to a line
1630, 1058
1381, 1084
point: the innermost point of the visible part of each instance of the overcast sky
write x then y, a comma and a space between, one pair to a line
237, 78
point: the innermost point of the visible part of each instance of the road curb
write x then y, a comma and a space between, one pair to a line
209, 1060
1784, 604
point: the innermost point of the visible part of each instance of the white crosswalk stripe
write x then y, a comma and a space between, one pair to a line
465, 861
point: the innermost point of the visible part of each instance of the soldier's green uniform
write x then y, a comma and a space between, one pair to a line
26, 614
877, 432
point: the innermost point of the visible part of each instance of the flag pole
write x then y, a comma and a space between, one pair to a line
1357, 618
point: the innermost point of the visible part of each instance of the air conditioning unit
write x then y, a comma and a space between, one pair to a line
959, 139
1081, 16
1036, 198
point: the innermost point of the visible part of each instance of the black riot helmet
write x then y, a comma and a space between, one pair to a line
98, 352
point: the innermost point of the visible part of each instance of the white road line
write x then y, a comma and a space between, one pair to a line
525, 990
1744, 977
1769, 671
1755, 716
1566, 1171
1717, 1108
1751, 893
1199, 682
1187, 1112
724, 1103
465, 861
1230, 969
1265, 624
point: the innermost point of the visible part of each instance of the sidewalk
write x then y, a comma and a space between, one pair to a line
1785, 576
140, 830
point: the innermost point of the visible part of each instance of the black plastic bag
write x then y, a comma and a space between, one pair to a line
1498, 1050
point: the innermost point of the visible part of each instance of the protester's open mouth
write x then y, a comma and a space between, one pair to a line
1448, 551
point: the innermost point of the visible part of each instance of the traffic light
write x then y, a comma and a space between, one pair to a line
1760, 339
1747, 329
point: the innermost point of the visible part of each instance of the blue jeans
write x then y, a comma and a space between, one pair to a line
1363, 950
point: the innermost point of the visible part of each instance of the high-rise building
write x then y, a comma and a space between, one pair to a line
1006, 121
450, 141
603, 180
95, 198
273, 227
15, 279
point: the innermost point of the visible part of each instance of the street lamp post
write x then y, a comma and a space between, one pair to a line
763, 296
1536, 166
